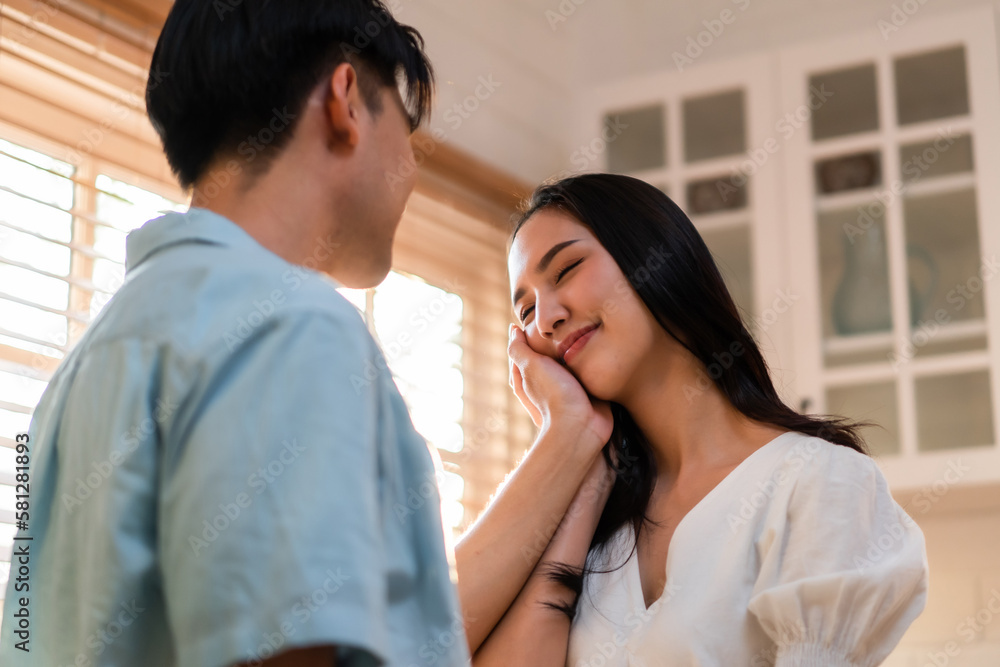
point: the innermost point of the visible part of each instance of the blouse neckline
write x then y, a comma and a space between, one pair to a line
635, 581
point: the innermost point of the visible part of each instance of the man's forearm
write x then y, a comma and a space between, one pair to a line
496, 555
535, 629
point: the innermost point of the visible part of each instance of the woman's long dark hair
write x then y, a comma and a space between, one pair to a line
635, 222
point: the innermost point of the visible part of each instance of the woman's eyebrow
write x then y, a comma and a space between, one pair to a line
543, 264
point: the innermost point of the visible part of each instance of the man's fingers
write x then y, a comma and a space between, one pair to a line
517, 346
518, 355
522, 396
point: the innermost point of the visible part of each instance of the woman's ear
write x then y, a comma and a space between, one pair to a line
343, 107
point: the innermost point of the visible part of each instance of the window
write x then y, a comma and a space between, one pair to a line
419, 328
62, 258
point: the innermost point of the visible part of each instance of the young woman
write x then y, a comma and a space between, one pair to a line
720, 527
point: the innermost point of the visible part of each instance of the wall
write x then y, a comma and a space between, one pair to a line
961, 624
502, 93
545, 53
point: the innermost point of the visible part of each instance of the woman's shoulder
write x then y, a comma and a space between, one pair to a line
805, 469
830, 501
797, 469
816, 460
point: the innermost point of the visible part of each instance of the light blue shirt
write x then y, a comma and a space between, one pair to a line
223, 469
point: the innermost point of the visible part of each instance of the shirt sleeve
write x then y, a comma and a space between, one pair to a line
269, 514
843, 567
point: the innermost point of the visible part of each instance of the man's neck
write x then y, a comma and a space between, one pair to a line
277, 211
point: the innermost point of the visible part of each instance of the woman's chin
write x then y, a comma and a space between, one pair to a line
598, 389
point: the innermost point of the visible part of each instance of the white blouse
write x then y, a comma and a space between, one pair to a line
800, 556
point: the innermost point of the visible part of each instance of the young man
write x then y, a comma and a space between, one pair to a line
214, 467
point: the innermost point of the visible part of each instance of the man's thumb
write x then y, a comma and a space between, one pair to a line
517, 346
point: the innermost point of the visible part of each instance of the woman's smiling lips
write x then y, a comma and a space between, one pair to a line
575, 342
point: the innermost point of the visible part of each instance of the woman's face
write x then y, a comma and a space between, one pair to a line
576, 306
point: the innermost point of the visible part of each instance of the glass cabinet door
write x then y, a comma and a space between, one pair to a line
890, 221
693, 136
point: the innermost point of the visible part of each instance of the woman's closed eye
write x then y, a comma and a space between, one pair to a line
559, 274
563, 270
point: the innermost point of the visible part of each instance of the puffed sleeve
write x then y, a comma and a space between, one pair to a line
843, 567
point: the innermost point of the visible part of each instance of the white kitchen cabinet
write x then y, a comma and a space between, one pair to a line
864, 241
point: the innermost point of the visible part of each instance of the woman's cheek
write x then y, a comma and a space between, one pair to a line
536, 342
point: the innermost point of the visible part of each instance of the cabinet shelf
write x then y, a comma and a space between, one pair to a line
869, 342
851, 199
884, 371
935, 185
929, 130
723, 220
845, 145
882, 340
940, 185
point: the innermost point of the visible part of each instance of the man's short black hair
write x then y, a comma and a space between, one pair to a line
229, 77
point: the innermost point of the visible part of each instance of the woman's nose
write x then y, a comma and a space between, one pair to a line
550, 316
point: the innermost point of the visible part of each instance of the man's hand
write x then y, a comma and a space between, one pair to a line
552, 395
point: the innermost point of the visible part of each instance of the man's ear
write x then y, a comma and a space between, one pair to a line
343, 106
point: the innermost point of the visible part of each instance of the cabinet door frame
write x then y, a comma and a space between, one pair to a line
755, 74
975, 30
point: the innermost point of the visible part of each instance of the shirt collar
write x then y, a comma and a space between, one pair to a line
198, 225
